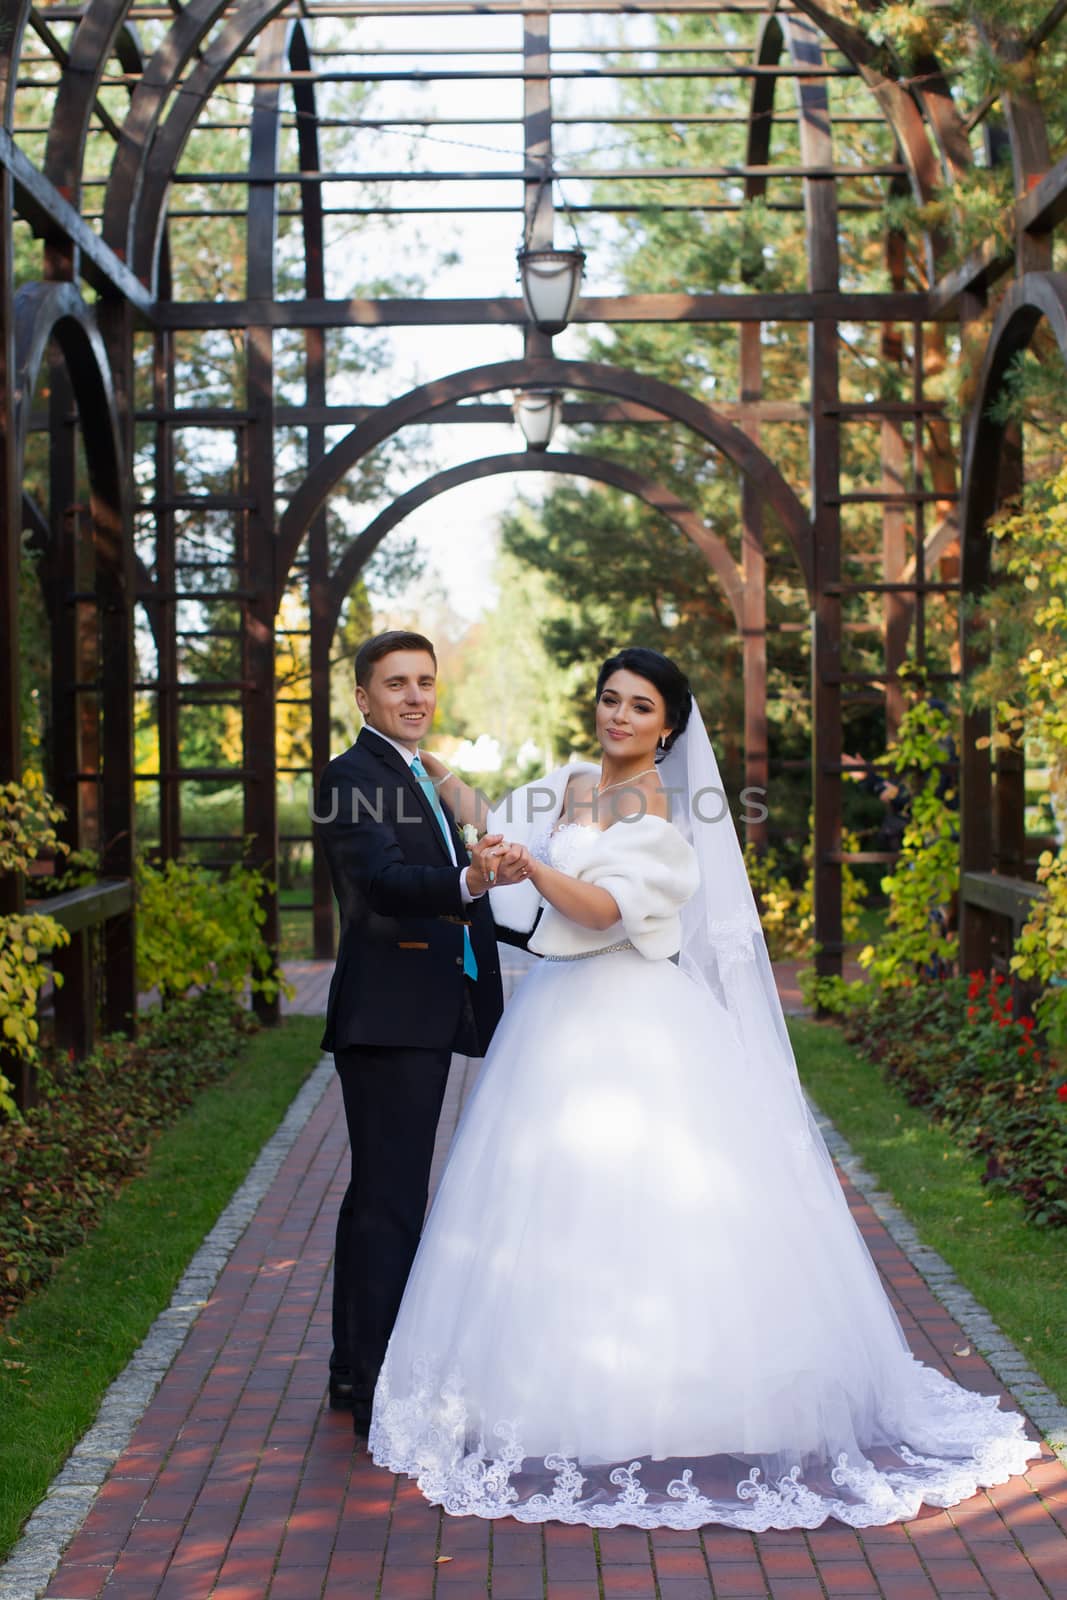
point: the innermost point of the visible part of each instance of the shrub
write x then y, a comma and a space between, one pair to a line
787, 913
1023, 617
1040, 952
28, 818
93, 1127
199, 930
956, 1048
925, 876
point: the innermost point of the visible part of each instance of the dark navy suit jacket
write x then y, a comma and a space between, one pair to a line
399, 974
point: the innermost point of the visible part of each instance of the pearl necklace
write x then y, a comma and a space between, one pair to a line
599, 789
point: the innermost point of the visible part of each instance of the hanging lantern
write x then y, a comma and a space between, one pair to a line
538, 413
551, 280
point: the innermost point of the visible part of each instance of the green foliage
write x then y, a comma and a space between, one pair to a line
832, 994
64, 1158
81, 868
787, 912
28, 818
1040, 953
199, 929
23, 941
926, 874
1025, 681
955, 1048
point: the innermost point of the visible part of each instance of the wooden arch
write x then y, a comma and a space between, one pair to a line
542, 372
1032, 299
655, 495
46, 312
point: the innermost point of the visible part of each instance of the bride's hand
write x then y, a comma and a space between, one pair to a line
512, 864
435, 767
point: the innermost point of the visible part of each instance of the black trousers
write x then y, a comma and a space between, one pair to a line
392, 1096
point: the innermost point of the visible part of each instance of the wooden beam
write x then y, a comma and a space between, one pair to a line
53, 218
532, 174
345, 9
832, 306
983, 267
1036, 212
90, 906
1046, 202
321, 415
1007, 897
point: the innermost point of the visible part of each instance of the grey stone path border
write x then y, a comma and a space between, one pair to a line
1006, 1359
32, 1563
29, 1569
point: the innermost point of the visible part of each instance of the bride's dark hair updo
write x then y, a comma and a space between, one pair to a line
661, 671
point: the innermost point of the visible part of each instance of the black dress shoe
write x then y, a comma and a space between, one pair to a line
361, 1410
340, 1394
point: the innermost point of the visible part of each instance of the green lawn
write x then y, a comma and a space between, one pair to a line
1017, 1271
60, 1352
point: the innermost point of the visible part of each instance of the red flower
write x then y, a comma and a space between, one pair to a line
998, 979
1061, 1094
1027, 1024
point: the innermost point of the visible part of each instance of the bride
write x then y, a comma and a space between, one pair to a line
640, 1297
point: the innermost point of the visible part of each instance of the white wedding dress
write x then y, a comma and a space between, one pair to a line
640, 1297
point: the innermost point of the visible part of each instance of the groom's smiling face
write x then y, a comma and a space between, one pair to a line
401, 696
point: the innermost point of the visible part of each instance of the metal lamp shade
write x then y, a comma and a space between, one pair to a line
538, 413
550, 281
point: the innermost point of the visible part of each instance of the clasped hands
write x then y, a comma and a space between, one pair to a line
496, 864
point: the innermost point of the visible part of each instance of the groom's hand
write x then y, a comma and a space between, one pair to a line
512, 864
481, 874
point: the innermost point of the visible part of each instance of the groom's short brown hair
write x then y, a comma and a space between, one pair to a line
383, 644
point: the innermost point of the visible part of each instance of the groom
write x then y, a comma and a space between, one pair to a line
417, 977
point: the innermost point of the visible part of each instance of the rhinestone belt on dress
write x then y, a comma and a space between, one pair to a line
583, 955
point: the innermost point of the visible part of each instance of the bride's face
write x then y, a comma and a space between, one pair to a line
630, 717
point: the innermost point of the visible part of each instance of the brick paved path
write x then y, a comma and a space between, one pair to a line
240, 1485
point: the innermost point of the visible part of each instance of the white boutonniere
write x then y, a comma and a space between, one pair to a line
470, 835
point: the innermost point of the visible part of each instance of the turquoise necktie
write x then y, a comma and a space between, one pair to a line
426, 784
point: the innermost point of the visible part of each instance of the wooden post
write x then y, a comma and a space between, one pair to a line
537, 139
74, 1006
168, 702
258, 555
113, 533
12, 889
820, 200
754, 605
976, 771
896, 608
321, 614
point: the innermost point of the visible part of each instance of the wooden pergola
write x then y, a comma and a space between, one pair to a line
100, 190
